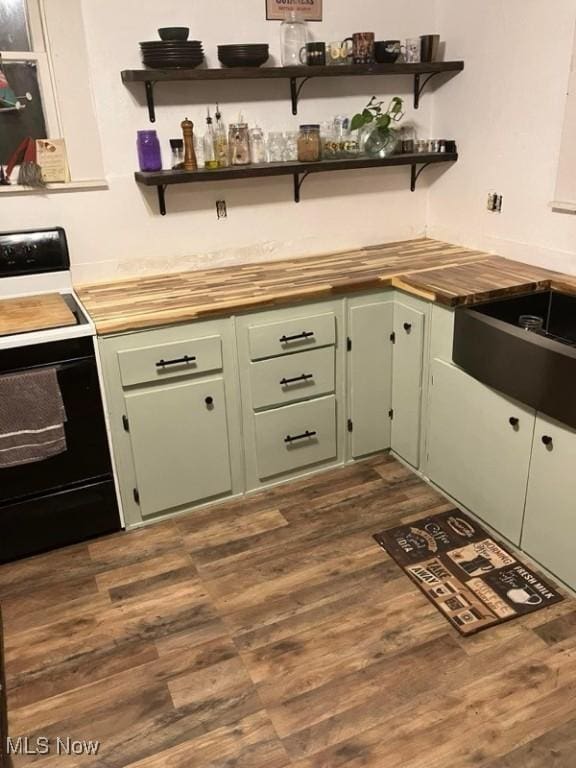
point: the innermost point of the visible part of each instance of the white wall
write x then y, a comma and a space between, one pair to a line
506, 111
119, 231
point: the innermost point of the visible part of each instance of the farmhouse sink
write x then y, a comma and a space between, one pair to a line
536, 367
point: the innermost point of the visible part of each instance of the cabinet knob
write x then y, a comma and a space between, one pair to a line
407, 327
547, 440
209, 401
514, 422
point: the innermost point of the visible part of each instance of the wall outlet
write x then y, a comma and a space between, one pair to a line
494, 203
221, 210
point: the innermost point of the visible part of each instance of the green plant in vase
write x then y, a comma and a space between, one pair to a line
378, 136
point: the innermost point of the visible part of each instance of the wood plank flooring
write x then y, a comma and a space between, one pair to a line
273, 632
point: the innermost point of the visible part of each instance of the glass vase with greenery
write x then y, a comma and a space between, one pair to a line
376, 126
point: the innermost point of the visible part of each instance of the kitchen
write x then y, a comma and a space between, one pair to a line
281, 383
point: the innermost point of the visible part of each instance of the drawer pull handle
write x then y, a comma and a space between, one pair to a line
209, 402
407, 327
304, 377
306, 436
547, 440
299, 337
180, 361
514, 422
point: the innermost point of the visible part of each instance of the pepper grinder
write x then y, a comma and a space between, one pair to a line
190, 162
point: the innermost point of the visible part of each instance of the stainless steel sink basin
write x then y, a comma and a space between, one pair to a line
536, 367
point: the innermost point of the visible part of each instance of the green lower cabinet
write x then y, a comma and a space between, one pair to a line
179, 442
549, 534
370, 325
479, 447
409, 327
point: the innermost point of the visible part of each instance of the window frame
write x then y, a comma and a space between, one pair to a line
53, 92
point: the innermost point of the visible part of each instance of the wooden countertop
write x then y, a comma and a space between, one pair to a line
448, 274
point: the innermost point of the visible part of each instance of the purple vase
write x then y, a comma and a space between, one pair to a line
149, 154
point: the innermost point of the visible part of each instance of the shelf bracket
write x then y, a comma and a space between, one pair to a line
162, 198
415, 175
150, 100
295, 91
298, 181
419, 86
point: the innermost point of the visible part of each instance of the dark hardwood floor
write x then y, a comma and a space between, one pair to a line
274, 632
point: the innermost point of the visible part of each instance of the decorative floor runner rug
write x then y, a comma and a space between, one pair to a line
472, 580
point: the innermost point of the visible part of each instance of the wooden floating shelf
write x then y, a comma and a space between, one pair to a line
297, 76
299, 171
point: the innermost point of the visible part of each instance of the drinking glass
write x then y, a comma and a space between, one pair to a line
290, 153
276, 147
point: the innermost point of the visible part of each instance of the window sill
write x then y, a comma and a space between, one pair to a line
70, 186
562, 207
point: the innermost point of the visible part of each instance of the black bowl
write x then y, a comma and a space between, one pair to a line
243, 48
174, 33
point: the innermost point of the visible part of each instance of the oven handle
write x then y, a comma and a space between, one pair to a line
59, 366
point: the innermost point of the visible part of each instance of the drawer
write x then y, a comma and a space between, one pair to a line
288, 336
296, 436
288, 379
168, 361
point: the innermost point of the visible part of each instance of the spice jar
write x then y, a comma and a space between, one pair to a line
309, 144
239, 143
258, 152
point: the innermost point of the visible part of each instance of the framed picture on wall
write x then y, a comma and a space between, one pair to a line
277, 10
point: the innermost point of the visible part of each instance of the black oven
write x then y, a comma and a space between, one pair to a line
69, 497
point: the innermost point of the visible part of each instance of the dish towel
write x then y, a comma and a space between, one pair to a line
32, 417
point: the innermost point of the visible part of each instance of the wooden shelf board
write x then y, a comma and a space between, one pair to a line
265, 73
164, 178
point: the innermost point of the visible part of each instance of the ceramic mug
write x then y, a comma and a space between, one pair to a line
313, 54
362, 47
337, 53
523, 597
387, 51
412, 50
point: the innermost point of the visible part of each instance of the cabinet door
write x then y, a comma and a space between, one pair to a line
479, 448
179, 442
407, 382
550, 520
370, 327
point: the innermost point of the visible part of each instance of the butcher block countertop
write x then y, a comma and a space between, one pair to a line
448, 274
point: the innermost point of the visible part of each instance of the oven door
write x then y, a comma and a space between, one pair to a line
86, 458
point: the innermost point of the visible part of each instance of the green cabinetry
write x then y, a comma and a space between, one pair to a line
174, 412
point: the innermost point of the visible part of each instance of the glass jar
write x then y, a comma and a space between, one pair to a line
149, 153
258, 153
239, 143
309, 144
293, 37
290, 147
177, 147
376, 141
276, 147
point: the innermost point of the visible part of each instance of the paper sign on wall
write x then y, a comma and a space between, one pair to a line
277, 10
53, 160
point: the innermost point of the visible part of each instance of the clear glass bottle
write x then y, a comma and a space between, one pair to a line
210, 160
221, 141
293, 37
